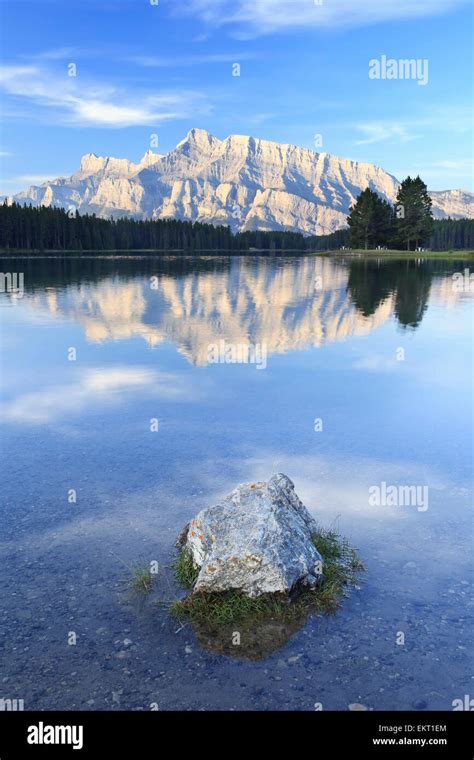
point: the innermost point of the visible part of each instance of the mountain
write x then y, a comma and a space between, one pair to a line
242, 182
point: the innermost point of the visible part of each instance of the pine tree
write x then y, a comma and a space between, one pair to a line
372, 222
414, 217
369, 221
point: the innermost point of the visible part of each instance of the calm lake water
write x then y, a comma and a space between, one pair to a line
367, 380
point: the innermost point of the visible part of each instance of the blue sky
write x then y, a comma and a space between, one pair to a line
146, 69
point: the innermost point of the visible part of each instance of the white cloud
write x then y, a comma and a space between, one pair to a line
375, 132
104, 386
78, 102
376, 364
337, 487
264, 16
32, 179
462, 165
56, 54
150, 61
447, 119
447, 172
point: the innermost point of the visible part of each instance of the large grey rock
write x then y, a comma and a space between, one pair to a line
257, 540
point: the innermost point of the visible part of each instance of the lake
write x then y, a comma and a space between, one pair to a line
118, 427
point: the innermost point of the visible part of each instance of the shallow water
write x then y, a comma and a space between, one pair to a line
367, 379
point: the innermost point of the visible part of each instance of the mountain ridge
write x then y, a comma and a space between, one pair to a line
245, 182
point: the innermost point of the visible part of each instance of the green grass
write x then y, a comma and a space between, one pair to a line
341, 567
227, 607
153, 252
141, 578
185, 570
398, 254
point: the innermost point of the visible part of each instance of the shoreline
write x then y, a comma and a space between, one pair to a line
145, 253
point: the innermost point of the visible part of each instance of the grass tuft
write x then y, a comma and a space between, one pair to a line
341, 567
141, 579
185, 570
229, 607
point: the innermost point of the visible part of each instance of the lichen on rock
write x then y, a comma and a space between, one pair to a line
257, 540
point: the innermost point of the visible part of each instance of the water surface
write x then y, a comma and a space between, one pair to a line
368, 380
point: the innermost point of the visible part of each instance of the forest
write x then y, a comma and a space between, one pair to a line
27, 228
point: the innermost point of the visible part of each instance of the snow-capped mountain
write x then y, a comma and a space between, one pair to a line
243, 182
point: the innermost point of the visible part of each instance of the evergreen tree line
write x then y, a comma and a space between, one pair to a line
373, 223
409, 224
453, 234
53, 228
446, 235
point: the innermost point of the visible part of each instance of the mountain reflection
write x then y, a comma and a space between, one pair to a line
285, 303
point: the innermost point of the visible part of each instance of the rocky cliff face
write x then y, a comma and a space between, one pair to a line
240, 181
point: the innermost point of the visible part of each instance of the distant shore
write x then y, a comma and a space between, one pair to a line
155, 253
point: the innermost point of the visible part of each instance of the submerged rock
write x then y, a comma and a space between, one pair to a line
257, 640
258, 540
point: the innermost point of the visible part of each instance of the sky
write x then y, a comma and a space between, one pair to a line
116, 77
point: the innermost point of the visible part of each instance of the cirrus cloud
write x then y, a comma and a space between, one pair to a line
265, 16
77, 102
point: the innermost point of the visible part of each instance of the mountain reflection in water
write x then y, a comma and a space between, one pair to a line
285, 304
